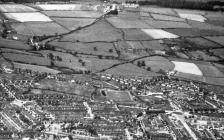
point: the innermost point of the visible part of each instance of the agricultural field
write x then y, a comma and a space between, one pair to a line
50, 28
156, 63
218, 52
119, 96
99, 48
200, 55
127, 23
188, 68
5, 43
36, 68
29, 59
101, 31
28, 17
130, 70
73, 14
73, 23
16, 8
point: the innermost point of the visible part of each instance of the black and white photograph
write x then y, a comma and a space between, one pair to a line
111, 69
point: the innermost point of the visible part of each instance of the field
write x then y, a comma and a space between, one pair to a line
162, 24
100, 31
157, 63
217, 39
185, 32
118, 96
218, 52
195, 17
38, 28
96, 64
16, 8
49, 28
35, 68
98, 48
202, 43
153, 45
200, 55
130, 70
73, 14
210, 71
159, 34
127, 23
27, 59
67, 60
136, 34
27, 17
5, 43
167, 18
21, 28
66, 7
73, 23
188, 68
59, 7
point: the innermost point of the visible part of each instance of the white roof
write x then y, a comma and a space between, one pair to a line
186, 67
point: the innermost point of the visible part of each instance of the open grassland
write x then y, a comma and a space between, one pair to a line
96, 65
98, 48
49, 28
102, 31
130, 69
27, 59
5, 43
156, 63
73, 23
73, 14
35, 68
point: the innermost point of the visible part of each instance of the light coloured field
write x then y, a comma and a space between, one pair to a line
65, 7
159, 34
35, 68
188, 68
195, 17
60, 7
84, 14
15, 8
27, 17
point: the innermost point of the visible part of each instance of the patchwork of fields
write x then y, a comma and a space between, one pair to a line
143, 41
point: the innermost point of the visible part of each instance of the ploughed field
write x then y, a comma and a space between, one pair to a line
144, 41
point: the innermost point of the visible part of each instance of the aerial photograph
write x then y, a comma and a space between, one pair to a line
111, 69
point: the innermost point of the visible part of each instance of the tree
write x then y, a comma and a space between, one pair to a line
139, 64
148, 68
50, 56
110, 50
100, 56
95, 48
143, 63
